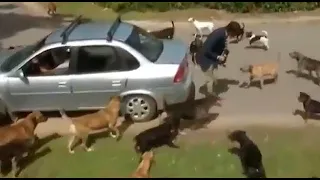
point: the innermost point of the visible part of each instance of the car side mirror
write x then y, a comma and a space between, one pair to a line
21, 74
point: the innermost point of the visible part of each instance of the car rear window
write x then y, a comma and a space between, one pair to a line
145, 43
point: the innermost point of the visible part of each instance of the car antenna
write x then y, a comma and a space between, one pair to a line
113, 28
65, 34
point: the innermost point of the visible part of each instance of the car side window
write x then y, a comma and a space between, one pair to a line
96, 59
129, 61
50, 62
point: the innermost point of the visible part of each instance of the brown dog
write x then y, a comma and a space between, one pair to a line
23, 129
262, 72
52, 8
81, 127
144, 167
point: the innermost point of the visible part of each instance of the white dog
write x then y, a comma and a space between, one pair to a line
201, 25
263, 39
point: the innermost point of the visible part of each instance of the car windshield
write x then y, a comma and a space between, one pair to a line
19, 56
145, 43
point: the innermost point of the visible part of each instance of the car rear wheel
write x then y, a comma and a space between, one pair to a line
140, 108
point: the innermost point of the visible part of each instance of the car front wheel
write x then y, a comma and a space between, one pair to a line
140, 108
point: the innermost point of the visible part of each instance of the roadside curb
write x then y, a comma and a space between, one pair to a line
34, 9
298, 19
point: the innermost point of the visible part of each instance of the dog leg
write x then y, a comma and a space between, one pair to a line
275, 78
172, 145
15, 168
114, 129
306, 116
299, 69
261, 83
318, 76
71, 143
85, 145
249, 82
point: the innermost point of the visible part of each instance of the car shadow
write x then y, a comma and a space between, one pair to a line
303, 75
195, 113
312, 116
39, 152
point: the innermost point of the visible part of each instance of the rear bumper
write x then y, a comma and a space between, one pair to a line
180, 92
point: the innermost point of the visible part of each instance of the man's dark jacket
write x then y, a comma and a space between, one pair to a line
212, 48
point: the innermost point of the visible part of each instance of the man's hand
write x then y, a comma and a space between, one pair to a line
221, 58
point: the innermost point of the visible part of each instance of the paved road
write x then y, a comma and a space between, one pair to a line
275, 103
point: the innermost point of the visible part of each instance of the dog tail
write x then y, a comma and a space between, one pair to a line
265, 33
173, 28
72, 127
243, 26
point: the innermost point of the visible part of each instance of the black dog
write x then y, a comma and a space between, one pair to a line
195, 46
14, 152
166, 33
310, 106
164, 134
306, 63
249, 154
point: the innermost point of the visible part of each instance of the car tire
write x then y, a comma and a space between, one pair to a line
139, 108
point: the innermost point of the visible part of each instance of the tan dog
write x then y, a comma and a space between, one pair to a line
81, 127
52, 8
144, 167
262, 71
23, 129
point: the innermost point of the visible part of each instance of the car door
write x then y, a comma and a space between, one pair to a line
97, 77
37, 91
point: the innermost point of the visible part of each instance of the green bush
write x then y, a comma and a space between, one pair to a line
241, 7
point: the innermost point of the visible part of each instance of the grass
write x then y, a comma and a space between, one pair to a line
95, 12
286, 153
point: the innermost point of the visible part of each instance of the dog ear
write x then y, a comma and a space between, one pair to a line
250, 68
242, 132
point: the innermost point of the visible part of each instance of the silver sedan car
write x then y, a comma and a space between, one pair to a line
79, 67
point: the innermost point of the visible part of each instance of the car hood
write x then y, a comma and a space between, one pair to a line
173, 52
5, 53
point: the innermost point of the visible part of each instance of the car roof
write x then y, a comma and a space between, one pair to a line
91, 30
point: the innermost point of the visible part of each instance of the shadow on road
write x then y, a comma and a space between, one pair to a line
8, 7
195, 113
235, 41
13, 23
221, 87
304, 76
255, 47
257, 83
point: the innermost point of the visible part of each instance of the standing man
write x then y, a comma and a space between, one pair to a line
211, 54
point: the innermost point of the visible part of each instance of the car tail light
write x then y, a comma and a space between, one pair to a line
182, 71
